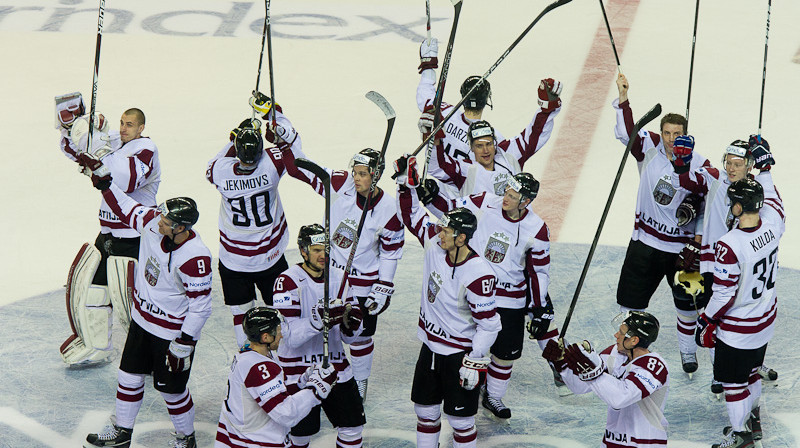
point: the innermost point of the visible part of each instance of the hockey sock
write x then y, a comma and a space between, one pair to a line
130, 392
238, 316
498, 376
737, 400
299, 441
464, 433
361, 357
429, 425
349, 437
754, 386
687, 321
181, 411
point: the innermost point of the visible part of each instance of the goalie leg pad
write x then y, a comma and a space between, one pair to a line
121, 272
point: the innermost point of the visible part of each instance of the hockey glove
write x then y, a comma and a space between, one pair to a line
554, 353
96, 170
428, 54
351, 319
549, 92
541, 318
762, 155
252, 123
682, 149
425, 124
279, 134
470, 371
584, 361
689, 258
379, 297
428, 191
687, 210
262, 104
321, 381
705, 334
405, 171
68, 108
335, 314
179, 354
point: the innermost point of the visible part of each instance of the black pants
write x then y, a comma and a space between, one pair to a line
109, 245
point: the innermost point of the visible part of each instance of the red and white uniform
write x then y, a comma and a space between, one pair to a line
455, 142
744, 298
657, 199
296, 293
457, 307
258, 411
253, 233
135, 169
172, 288
380, 245
636, 394
517, 250
469, 177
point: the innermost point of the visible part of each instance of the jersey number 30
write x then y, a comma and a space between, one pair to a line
241, 214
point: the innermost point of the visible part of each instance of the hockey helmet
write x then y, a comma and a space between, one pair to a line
181, 211
461, 220
480, 97
478, 129
524, 184
372, 160
309, 235
739, 148
644, 325
688, 285
747, 192
249, 145
260, 320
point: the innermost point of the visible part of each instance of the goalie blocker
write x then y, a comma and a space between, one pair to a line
89, 305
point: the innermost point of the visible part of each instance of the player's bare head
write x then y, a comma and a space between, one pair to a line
131, 124
738, 160
262, 325
675, 119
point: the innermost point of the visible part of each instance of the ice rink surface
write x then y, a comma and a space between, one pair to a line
190, 65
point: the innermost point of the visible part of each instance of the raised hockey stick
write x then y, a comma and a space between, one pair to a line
428, 17
437, 99
325, 178
101, 11
763, 74
387, 110
266, 36
438, 127
647, 118
691, 61
611, 36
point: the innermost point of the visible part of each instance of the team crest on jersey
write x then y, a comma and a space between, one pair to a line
664, 191
434, 285
500, 183
496, 248
345, 233
151, 271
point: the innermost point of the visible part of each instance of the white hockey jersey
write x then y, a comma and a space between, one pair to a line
457, 306
517, 250
295, 295
135, 169
253, 233
380, 245
636, 395
657, 199
258, 411
172, 288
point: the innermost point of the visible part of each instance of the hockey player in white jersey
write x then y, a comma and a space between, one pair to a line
458, 321
298, 295
632, 380
258, 410
171, 303
658, 238
253, 232
98, 276
739, 320
380, 245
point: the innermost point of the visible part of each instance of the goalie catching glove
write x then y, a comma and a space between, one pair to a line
179, 354
549, 94
470, 371
379, 297
584, 361
428, 54
68, 108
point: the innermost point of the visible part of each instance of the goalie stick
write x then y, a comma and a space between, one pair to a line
101, 11
438, 127
387, 110
634, 136
437, 99
325, 178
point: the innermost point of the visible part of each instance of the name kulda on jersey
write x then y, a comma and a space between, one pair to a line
246, 184
762, 240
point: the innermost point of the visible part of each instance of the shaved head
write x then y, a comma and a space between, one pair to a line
137, 113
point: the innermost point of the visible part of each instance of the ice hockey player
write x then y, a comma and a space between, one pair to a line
632, 380
253, 232
458, 321
171, 303
299, 295
380, 246
98, 276
258, 410
739, 320
658, 239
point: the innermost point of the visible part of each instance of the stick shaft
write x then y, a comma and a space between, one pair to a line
101, 10
691, 61
764, 72
610, 36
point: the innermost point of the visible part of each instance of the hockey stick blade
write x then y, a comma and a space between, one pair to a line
314, 168
632, 138
381, 102
455, 2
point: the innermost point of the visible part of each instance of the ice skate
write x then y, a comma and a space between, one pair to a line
362, 389
689, 362
767, 374
495, 405
183, 441
743, 439
111, 435
716, 389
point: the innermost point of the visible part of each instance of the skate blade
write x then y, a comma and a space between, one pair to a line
563, 391
496, 419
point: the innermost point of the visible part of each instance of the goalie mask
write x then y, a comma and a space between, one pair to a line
643, 325
310, 235
260, 320
525, 184
479, 129
689, 285
181, 211
480, 97
372, 160
748, 193
249, 145
461, 220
